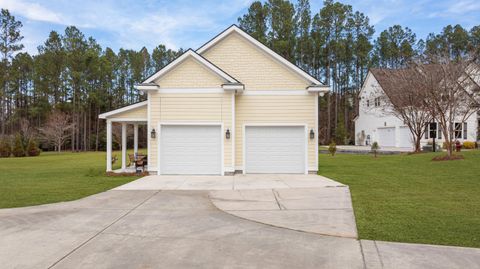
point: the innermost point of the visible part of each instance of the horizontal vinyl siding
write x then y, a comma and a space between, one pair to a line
297, 109
191, 108
251, 66
190, 74
138, 113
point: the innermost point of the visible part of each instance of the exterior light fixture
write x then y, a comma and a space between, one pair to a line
153, 134
312, 134
227, 134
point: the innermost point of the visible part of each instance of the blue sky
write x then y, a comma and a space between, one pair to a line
189, 23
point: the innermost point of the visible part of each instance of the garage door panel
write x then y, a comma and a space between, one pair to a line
190, 150
275, 149
386, 137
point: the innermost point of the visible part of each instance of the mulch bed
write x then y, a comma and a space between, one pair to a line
448, 158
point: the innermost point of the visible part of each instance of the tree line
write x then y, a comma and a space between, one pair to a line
72, 74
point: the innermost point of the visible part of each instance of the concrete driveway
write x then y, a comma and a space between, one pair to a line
184, 229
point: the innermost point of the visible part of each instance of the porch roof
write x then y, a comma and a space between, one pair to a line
132, 113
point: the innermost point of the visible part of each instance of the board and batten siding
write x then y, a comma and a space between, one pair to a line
251, 66
190, 74
191, 108
275, 109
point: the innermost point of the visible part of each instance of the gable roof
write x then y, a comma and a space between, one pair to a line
122, 109
235, 29
190, 54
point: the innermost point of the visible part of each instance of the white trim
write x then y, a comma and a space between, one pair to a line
109, 146
135, 139
276, 92
124, 146
229, 169
234, 87
196, 56
148, 131
191, 90
264, 48
128, 119
233, 130
186, 123
306, 137
316, 131
141, 87
318, 88
120, 110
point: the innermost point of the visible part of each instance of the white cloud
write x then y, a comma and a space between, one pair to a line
32, 11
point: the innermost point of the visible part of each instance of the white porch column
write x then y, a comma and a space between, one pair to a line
124, 145
135, 139
109, 146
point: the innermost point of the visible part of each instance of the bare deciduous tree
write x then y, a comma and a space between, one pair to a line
401, 95
451, 94
56, 129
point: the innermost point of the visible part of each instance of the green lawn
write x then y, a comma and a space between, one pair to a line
53, 177
409, 198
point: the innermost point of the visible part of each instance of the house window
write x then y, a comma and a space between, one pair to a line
377, 101
368, 103
460, 130
432, 130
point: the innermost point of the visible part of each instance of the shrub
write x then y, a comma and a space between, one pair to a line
469, 145
18, 149
32, 148
375, 147
5, 147
332, 148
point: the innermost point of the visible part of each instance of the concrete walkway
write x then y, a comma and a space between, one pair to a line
326, 211
237, 182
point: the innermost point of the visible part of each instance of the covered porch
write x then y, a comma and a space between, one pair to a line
132, 116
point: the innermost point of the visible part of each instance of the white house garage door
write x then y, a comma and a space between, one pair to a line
405, 137
275, 149
187, 149
386, 137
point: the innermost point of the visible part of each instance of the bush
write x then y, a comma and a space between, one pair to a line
332, 148
18, 149
375, 147
469, 145
32, 148
5, 147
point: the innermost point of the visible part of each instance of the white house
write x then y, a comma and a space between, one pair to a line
374, 124
232, 105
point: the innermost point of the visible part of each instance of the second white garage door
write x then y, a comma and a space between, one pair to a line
386, 137
194, 150
275, 149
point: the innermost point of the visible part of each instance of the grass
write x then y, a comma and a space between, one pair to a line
410, 198
53, 177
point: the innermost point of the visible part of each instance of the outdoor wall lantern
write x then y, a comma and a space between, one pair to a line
153, 134
227, 134
312, 134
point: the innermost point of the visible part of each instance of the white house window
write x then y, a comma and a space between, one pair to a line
368, 103
377, 101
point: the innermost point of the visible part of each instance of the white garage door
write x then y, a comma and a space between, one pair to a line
386, 137
275, 149
188, 150
405, 138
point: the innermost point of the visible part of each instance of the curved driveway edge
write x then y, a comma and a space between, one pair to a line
325, 211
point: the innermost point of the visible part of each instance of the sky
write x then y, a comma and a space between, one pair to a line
132, 24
